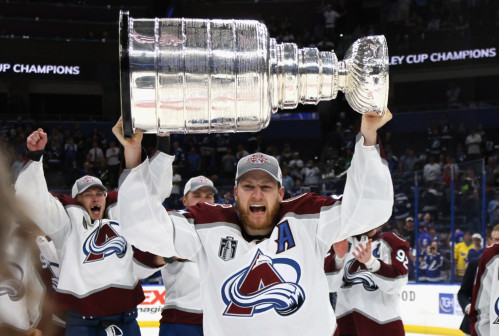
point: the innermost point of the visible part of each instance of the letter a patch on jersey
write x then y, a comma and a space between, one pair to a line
261, 287
103, 242
285, 239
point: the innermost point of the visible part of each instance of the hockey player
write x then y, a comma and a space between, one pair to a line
484, 312
182, 314
99, 274
374, 271
262, 262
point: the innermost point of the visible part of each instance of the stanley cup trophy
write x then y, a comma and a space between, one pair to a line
218, 76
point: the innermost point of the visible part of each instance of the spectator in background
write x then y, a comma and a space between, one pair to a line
54, 156
287, 182
311, 174
476, 250
193, 162
473, 142
493, 208
113, 163
70, 152
95, 154
227, 198
460, 256
408, 232
296, 165
432, 171
408, 160
228, 164
431, 264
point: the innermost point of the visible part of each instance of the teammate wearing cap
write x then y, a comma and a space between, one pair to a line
182, 313
99, 270
262, 261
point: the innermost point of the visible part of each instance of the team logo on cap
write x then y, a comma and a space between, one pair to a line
88, 179
257, 159
202, 179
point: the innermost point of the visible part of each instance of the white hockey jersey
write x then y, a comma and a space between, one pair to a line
183, 302
274, 286
99, 269
21, 295
484, 312
368, 303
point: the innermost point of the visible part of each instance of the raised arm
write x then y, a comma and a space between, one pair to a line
43, 208
160, 162
367, 200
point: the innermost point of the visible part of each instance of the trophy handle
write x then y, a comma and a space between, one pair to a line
126, 108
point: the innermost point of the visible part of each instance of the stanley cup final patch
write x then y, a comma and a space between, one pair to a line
227, 249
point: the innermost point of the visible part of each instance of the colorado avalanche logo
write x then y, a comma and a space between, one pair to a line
14, 287
355, 273
261, 287
257, 158
103, 242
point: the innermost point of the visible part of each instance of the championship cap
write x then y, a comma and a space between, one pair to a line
409, 219
198, 182
477, 236
259, 161
85, 182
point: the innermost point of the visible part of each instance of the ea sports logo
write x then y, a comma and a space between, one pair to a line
258, 159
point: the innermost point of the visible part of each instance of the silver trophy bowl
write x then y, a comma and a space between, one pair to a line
219, 76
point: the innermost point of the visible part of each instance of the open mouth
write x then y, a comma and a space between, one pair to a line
258, 209
95, 208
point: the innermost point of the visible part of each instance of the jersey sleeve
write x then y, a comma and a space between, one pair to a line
392, 275
43, 208
162, 173
367, 199
334, 271
146, 223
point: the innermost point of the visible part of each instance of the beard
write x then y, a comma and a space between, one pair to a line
267, 224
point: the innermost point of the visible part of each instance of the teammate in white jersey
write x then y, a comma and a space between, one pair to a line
99, 270
262, 262
182, 314
373, 273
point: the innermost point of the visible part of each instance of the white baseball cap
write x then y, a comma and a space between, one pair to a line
259, 161
198, 182
85, 182
477, 236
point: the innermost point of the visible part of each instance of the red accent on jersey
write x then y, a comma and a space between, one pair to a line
179, 316
399, 266
109, 301
357, 324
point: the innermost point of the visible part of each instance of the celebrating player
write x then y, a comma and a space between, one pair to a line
261, 262
373, 273
99, 274
182, 313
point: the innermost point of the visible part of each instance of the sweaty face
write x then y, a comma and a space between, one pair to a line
203, 194
94, 201
258, 198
